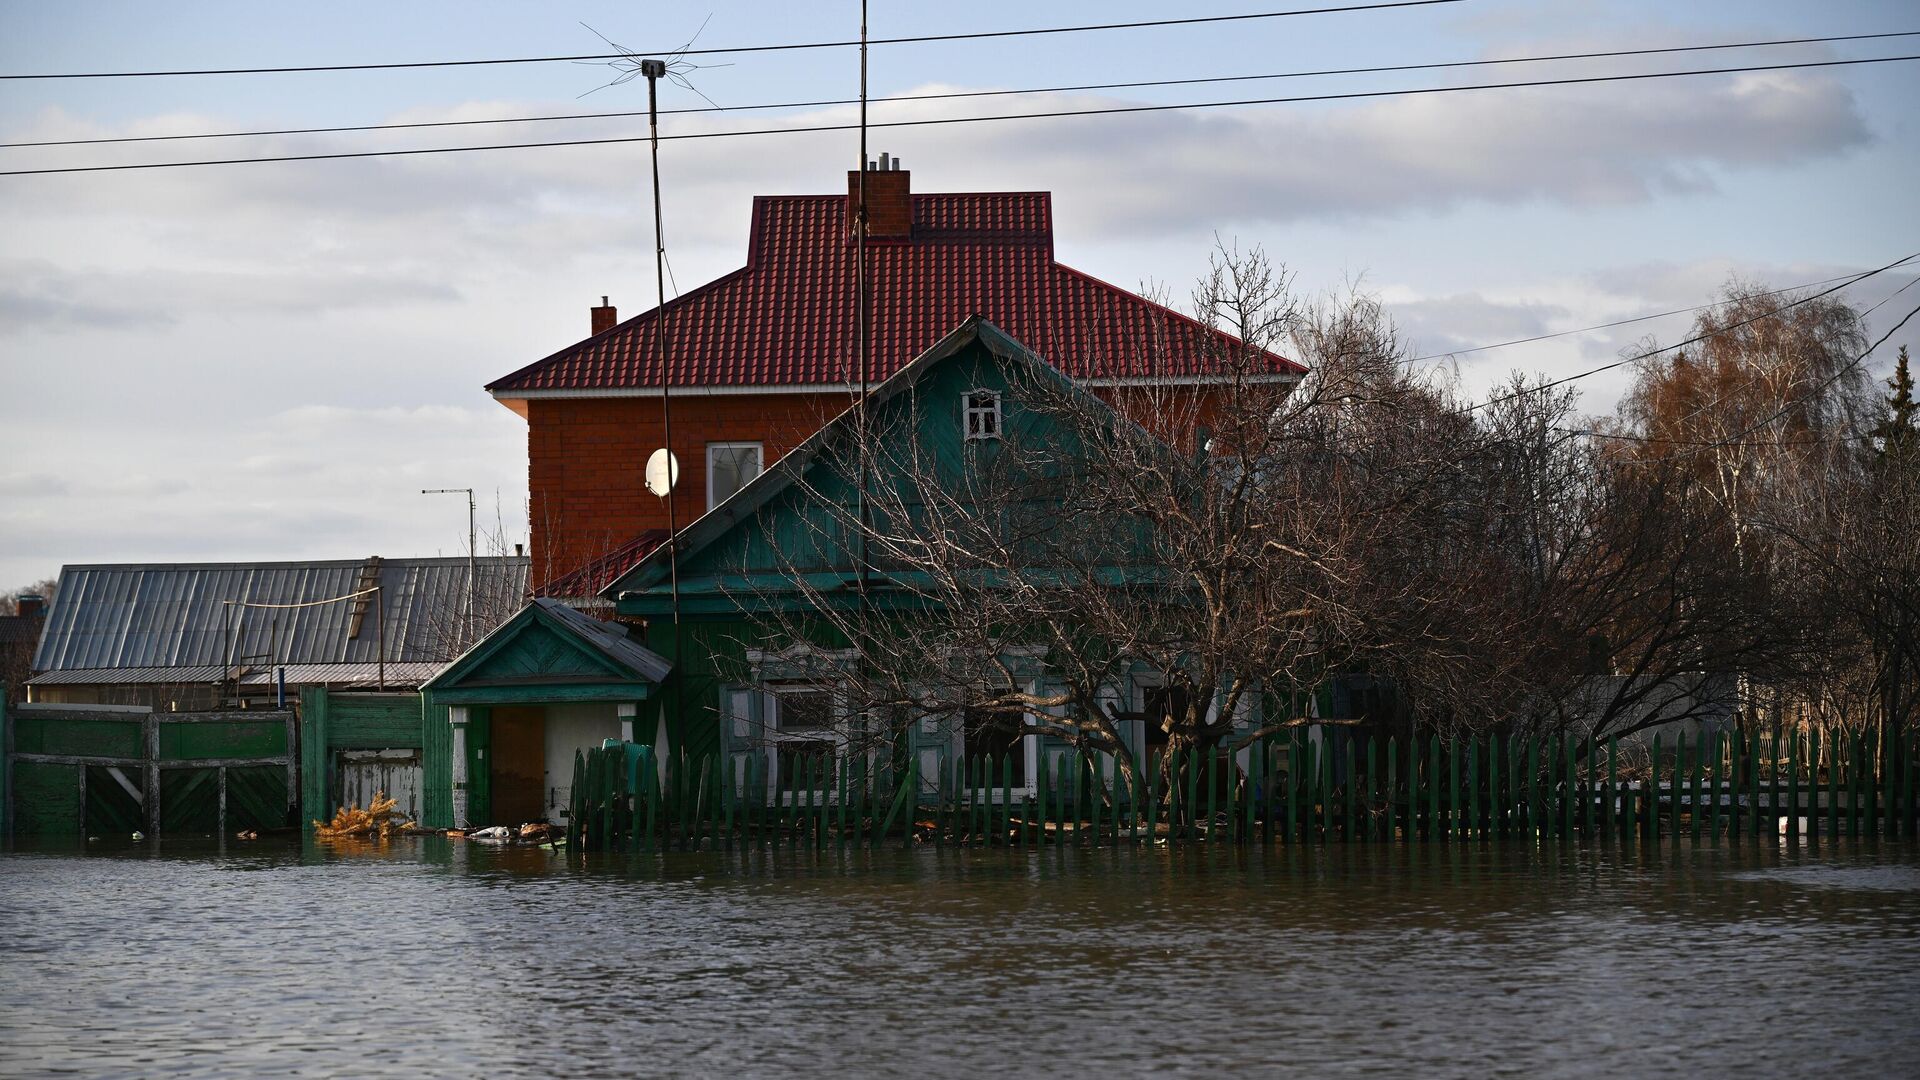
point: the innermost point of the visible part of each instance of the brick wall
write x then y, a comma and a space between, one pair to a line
587, 459
889, 203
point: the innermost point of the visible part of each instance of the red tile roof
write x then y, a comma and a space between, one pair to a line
786, 318
589, 579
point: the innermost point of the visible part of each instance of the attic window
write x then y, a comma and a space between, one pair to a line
982, 414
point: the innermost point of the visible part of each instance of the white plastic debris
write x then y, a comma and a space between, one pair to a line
138, 835
497, 832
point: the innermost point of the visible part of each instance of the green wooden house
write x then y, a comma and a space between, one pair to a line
739, 672
742, 686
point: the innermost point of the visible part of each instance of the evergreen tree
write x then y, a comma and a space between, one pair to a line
1899, 429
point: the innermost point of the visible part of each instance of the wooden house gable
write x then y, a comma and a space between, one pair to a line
547, 648
796, 517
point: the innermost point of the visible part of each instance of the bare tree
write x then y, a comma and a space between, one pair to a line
1239, 545
1753, 432
1234, 545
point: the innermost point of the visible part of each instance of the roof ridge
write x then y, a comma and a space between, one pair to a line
239, 564
782, 319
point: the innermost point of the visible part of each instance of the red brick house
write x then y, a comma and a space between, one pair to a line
759, 359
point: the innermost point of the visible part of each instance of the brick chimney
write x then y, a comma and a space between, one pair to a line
889, 200
604, 317
30, 605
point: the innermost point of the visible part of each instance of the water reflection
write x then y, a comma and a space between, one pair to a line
435, 956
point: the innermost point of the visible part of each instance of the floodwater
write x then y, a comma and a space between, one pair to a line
430, 956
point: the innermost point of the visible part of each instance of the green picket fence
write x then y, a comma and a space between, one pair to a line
1289, 789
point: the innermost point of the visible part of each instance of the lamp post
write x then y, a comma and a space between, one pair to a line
473, 586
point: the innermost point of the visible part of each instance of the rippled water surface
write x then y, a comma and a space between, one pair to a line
437, 957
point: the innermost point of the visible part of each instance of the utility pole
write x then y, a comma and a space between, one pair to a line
473, 585
862, 317
654, 70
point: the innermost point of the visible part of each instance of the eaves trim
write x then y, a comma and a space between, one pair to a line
851, 388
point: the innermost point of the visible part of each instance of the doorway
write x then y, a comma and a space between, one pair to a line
519, 764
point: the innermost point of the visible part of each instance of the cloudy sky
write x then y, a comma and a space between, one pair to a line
269, 361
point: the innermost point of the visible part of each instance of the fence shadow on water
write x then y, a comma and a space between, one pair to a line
1291, 790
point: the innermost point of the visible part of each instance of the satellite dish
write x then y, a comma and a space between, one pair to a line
663, 471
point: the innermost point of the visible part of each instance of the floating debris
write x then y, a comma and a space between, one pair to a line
376, 820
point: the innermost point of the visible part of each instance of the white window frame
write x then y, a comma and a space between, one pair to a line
835, 733
1029, 754
759, 457
968, 410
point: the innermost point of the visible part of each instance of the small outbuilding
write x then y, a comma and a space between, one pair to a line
548, 682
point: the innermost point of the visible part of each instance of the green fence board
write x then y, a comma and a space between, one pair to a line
111, 808
189, 801
46, 799
64, 737
256, 797
223, 739
1457, 789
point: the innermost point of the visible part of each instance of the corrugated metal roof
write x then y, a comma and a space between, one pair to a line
173, 615
786, 318
399, 674
129, 676
20, 629
403, 673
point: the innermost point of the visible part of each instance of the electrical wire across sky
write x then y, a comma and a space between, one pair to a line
992, 118
962, 94
917, 39
1843, 282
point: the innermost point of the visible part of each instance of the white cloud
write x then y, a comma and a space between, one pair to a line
271, 360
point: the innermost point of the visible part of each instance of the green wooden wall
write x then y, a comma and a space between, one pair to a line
332, 721
436, 764
72, 767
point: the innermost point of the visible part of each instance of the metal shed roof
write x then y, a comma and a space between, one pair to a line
171, 615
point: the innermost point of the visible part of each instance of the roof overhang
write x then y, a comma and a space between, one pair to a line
1277, 378
548, 653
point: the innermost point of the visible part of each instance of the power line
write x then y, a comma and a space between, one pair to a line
1697, 338
1054, 114
788, 47
1655, 440
1081, 87
1835, 377
1629, 322
1739, 438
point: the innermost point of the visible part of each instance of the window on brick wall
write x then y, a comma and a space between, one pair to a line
730, 465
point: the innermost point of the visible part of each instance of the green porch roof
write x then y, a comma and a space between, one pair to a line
549, 652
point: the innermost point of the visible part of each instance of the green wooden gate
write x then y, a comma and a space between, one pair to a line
334, 723
96, 770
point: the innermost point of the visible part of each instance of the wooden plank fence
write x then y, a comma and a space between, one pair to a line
1291, 789
78, 770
